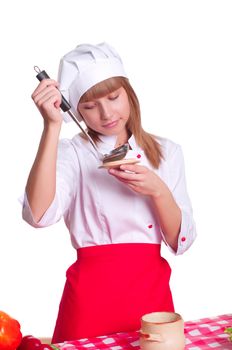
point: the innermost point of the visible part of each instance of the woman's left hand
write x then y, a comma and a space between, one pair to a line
140, 179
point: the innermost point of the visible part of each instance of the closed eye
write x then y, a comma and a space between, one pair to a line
113, 97
88, 106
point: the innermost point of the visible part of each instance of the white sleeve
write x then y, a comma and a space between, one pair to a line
177, 185
66, 187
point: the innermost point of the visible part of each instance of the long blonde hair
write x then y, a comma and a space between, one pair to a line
144, 139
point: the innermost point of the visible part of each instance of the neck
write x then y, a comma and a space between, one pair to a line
122, 139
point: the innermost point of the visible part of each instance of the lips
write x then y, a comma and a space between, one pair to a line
111, 124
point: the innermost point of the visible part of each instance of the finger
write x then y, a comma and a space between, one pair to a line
122, 180
43, 85
133, 187
43, 89
48, 91
139, 169
124, 175
49, 100
131, 184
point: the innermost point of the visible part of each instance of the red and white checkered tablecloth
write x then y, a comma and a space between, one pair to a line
206, 333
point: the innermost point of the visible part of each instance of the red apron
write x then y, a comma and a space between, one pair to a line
110, 287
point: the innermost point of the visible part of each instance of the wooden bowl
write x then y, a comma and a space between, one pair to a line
117, 163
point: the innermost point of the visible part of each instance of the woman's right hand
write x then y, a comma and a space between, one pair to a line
47, 99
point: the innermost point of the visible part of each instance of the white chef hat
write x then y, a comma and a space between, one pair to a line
84, 67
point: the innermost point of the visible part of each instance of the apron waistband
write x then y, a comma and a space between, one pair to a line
119, 249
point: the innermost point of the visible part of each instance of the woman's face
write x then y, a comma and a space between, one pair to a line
107, 115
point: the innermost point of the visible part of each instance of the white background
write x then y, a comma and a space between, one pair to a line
178, 56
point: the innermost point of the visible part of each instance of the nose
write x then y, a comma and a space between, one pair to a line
105, 111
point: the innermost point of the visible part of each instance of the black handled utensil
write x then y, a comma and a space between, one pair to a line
116, 154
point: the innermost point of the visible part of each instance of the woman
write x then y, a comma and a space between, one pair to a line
117, 218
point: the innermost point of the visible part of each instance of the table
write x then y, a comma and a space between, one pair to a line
206, 333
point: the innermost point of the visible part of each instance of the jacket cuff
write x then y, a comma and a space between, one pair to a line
51, 215
186, 236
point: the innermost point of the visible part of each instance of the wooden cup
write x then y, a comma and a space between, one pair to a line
162, 331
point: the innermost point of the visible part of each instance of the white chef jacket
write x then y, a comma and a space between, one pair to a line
98, 209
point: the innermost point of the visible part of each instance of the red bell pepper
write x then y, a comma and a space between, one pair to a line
10, 334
